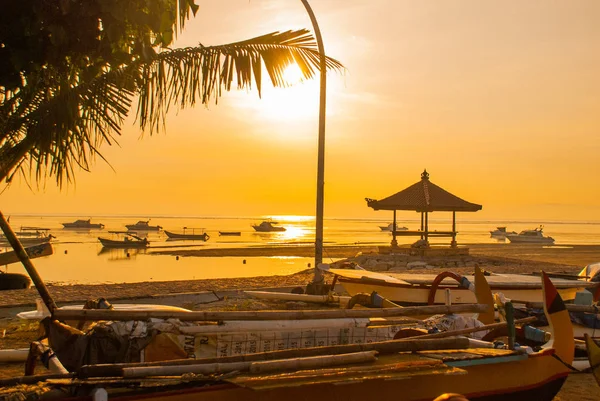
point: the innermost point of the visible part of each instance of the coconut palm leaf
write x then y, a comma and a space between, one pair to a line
57, 123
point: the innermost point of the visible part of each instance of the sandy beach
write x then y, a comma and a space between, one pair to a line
498, 258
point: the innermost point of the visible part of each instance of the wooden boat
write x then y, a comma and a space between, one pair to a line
391, 368
230, 233
143, 225
267, 226
189, 233
83, 225
593, 352
130, 240
13, 281
423, 289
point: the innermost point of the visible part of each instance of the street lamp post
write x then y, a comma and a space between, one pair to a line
321, 148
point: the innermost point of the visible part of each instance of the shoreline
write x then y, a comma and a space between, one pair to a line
499, 258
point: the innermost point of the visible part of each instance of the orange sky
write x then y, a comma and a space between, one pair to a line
499, 100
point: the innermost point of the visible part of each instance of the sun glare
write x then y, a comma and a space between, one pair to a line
293, 74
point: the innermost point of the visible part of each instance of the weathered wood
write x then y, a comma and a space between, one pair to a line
33, 274
383, 347
107, 314
312, 362
476, 329
34, 251
570, 307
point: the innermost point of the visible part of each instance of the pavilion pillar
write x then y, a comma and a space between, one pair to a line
422, 226
427, 226
394, 242
453, 244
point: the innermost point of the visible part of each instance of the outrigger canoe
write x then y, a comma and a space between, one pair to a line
342, 373
428, 289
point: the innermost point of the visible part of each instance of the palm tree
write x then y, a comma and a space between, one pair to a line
58, 119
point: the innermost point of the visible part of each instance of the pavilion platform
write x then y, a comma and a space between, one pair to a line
430, 251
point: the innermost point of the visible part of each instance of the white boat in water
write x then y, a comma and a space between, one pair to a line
390, 227
535, 236
501, 232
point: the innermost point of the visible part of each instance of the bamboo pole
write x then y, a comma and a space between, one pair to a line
570, 307
476, 329
383, 347
312, 362
108, 314
33, 274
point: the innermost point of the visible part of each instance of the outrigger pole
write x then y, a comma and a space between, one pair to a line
24, 258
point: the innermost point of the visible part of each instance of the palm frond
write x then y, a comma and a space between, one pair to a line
184, 76
57, 123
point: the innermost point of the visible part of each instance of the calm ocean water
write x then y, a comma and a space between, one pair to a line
79, 257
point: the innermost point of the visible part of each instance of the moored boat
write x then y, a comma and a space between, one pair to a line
535, 236
501, 232
129, 240
189, 234
230, 233
83, 224
268, 226
143, 225
390, 227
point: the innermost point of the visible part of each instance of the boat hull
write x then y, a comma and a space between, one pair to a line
109, 243
414, 377
82, 227
200, 237
14, 281
269, 229
524, 240
409, 294
133, 227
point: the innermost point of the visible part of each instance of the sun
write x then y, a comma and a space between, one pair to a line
293, 74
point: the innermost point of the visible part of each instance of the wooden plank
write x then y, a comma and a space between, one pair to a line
107, 314
34, 251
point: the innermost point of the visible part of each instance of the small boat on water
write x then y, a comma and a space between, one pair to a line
501, 232
130, 240
267, 226
535, 236
230, 233
83, 225
390, 227
143, 225
189, 233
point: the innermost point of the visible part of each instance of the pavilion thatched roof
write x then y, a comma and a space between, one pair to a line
424, 196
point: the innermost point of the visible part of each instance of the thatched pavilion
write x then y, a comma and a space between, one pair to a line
424, 197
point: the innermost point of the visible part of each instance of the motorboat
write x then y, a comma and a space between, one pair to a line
130, 240
501, 232
267, 226
83, 225
143, 226
188, 234
535, 236
390, 227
